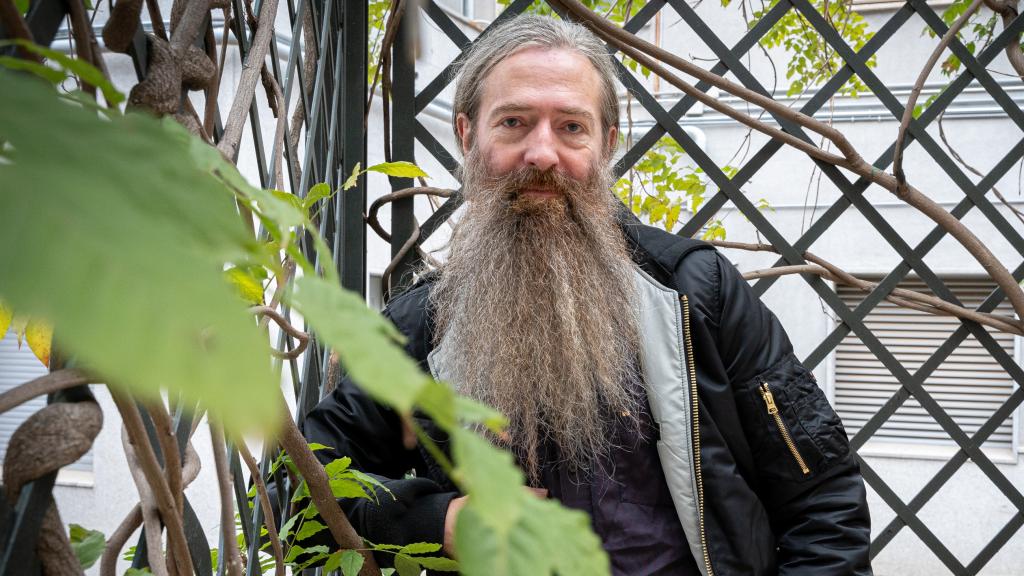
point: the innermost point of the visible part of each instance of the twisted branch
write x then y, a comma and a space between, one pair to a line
153, 476
282, 322
915, 93
46, 384
294, 444
230, 558
899, 296
228, 145
268, 510
645, 53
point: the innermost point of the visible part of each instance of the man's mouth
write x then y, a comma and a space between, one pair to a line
536, 192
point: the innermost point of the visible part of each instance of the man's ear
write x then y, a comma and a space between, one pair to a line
464, 125
613, 140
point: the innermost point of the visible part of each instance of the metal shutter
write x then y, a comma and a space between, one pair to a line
17, 367
970, 385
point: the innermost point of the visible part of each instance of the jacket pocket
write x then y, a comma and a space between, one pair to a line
801, 436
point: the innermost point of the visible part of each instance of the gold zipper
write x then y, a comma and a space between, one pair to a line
773, 410
695, 419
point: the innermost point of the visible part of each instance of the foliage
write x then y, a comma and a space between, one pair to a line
812, 61
159, 207
87, 544
130, 228
980, 28
661, 184
612, 10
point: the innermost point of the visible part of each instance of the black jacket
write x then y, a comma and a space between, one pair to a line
762, 513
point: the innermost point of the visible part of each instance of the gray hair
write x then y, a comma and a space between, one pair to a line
525, 31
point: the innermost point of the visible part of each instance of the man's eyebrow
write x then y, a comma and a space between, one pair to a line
512, 108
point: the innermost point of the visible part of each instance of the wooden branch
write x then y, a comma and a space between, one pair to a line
371, 216
851, 160
131, 522
268, 510
81, 30
185, 31
46, 384
231, 558
915, 93
117, 540
282, 322
156, 19
17, 28
956, 156
169, 447
150, 468
899, 296
312, 470
228, 145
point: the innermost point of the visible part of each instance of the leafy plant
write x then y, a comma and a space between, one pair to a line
812, 61
146, 233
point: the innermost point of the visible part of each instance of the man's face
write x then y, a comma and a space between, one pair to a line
540, 109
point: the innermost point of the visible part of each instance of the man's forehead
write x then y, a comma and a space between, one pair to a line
534, 76
513, 107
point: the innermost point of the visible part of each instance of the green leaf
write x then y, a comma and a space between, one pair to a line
346, 488
353, 178
317, 193
51, 75
337, 466
366, 342
406, 565
87, 72
309, 528
399, 169
504, 530
349, 561
301, 492
314, 446
438, 563
137, 572
87, 544
246, 284
287, 527
420, 548
133, 280
21, 6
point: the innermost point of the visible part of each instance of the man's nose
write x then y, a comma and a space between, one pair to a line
541, 148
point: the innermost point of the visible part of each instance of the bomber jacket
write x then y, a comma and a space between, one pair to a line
758, 463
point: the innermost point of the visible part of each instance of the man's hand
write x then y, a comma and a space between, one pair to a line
449, 525
453, 512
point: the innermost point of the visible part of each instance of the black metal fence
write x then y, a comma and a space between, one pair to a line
334, 103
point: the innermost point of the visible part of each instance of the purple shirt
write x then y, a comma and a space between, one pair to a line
629, 504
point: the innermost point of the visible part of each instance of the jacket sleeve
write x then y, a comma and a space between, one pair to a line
817, 508
352, 424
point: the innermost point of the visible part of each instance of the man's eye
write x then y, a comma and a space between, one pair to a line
510, 122
574, 127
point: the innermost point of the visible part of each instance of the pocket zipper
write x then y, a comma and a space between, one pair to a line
773, 410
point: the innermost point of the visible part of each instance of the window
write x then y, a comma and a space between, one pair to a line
969, 385
17, 367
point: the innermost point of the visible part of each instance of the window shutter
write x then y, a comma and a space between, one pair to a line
17, 367
969, 385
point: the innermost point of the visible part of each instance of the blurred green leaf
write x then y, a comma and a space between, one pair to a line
366, 342
123, 253
85, 71
87, 544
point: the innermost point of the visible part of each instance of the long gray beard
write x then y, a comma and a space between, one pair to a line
537, 300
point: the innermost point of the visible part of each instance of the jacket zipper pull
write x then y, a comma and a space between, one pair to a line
769, 399
773, 411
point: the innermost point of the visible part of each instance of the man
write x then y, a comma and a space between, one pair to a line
644, 382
